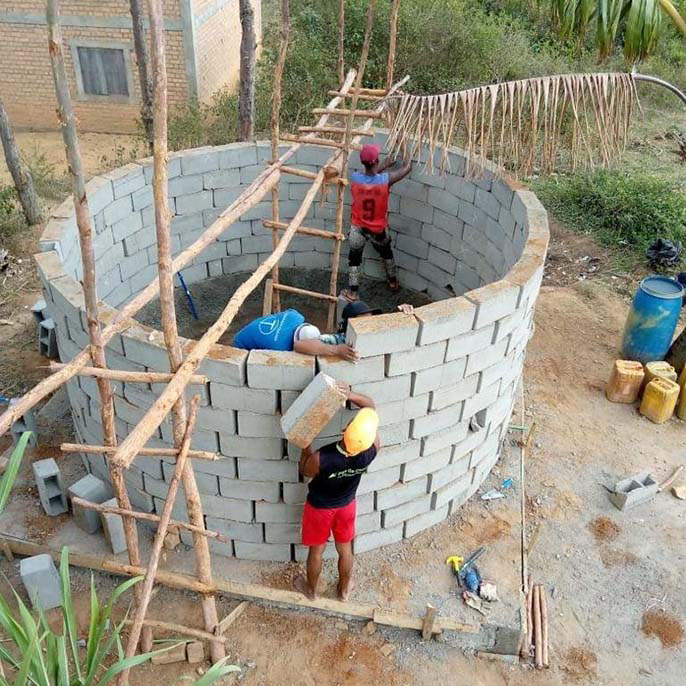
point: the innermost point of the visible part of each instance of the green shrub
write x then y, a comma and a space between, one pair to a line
49, 184
8, 197
618, 209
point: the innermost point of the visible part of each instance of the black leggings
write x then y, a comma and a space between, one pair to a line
357, 239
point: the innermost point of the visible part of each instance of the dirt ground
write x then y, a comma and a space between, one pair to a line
614, 579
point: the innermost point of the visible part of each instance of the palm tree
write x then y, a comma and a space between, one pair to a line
637, 21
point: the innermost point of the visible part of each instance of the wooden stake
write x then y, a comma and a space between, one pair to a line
268, 297
303, 291
123, 375
526, 649
142, 60
323, 142
544, 626
429, 621
231, 618
538, 633
343, 112
110, 450
177, 629
173, 523
67, 120
341, 40
360, 95
392, 36
319, 233
334, 129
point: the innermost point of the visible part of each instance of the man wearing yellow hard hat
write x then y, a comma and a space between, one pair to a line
335, 470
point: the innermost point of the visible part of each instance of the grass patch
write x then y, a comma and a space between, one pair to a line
620, 210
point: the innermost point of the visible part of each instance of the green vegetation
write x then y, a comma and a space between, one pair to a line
8, 478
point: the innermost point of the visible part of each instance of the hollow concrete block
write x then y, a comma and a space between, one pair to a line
41, 581
50, 486
113, 528
95, 491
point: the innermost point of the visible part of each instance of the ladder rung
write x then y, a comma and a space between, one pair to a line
319, 141
361, 96
161, 452
302, 291
370, 114
319, 233
333, 129
299, 172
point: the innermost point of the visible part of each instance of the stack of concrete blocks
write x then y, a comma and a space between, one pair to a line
113, 528
93, 490
26, 422
312, 410
47, 338
430, 373
51, 491
41, 581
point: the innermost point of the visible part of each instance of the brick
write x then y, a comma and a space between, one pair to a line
223, 362
415, 209
194, 202
94, 490
450, 473
442, 259
207, 483
41, 581
444, 319
366, 523
442, 375
363, 371
227, 508
282, 533
195, 652
394, 455
444, 438
444, 201
224, 467
199, 160
387, 390
118, 210
253, 425
437, 420
279, 370
243, 489
390, 434
378, 538
294, 493
373, 481
175, 654
257, 400
448, 395
396, 515
401, 493
420, 357
496, 300
365, 503
51, 492
468, 343
413, 246
419, 467
278, 513
487, 202
424, 521
314, 408
236, 155
223, 178
385, 333
113, 528
452, 491
262, 551
251, 533
482, 359
212, 419
401, 410
260, 448
267, 470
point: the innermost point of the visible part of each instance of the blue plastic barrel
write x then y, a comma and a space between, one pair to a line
652, 319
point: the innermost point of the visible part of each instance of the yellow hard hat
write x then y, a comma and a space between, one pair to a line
360, 434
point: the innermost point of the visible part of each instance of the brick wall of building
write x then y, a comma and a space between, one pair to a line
430, 373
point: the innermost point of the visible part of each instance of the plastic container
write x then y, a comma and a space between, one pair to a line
659, 400
660, 369
681, 404
625, 381
652, 319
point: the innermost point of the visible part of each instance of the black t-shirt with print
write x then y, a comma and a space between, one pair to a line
339, 476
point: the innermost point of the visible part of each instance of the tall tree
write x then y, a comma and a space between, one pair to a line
637, 21
20, 175
246, 97
142, 59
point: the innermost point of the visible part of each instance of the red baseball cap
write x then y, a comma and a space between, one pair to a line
369, 153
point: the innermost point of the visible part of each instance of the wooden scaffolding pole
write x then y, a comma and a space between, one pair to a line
168, 317
67, 120
392, 36
341, 40
347, 142
276, 111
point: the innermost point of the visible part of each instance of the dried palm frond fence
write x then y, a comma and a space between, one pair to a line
538, 124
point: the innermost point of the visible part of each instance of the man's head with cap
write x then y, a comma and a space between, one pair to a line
369, 155
357, 308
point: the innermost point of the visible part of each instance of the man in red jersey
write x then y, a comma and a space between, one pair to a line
369, 219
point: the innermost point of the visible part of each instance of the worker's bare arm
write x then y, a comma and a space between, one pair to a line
398, 174
315, 347
309, 462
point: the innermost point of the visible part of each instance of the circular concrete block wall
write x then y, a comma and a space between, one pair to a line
444, 379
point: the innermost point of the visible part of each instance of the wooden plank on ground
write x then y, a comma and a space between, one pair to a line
231, 618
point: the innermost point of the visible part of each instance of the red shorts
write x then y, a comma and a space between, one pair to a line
318, 523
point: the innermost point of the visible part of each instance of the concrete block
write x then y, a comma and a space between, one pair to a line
374, 481
367, 523
207, 483
267, 470
400, 513
312, 411
437, 420
452, 491
175, 654
113, 528
223, 362
253, 425
227, 508
401, 410
26, 422
388, 390
422, 466
365, 503
424, 521
271, 513
390, 434
95, 491
51, 492
377, 538
401, 493
385, 333
449, 395
294, 493
477, 361
118, 210
394, 455
415, 209
274, 369
445, 319
416, 359
222, 178
242, 489
632, 491
442, 375
282, 533
240, 531
194, 202
263, 448
413, 246
224, 467
494, 301
444, 438
195, 652
363, 371
472, 441
41, 581
471, 342
237, 155
262, 551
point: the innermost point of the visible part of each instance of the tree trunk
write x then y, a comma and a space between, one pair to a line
142, 59
22, 179
246, 98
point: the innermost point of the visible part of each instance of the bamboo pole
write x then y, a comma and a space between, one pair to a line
161, 452
65, 113
538, 633
347, 142
333, 129
247, 199
276, 111
148, 517
124, 375
324, 142
341, 40
343, 111
544, 626
165, 519
361, 96
307, 231
168, 316
392, 36
303, 291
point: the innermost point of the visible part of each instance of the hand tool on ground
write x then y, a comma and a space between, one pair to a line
460, 565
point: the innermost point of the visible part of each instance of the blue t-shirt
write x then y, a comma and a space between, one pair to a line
273, 332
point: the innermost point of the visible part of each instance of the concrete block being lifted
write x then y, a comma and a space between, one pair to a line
95, 491
113, 528
50, 486
41, 581
312, 410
